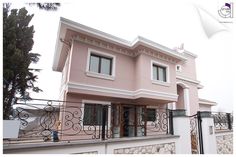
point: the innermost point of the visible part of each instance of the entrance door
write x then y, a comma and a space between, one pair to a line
128, 121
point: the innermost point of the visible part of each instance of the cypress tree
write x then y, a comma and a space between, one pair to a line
17, 56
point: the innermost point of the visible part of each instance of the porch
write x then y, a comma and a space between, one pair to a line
46, 121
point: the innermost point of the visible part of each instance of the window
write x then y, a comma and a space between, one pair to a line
100, 64
178, 68
151, 114
93, 114
159, 73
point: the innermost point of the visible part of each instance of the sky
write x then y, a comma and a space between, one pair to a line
169, 23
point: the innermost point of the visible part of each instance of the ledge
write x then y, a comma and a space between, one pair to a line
102, 76
83, 142
218, 132
167, 84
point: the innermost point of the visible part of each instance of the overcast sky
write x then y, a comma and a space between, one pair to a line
169, 23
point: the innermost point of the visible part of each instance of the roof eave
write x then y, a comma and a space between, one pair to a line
65, 24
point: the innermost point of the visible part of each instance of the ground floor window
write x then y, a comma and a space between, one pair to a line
93, 114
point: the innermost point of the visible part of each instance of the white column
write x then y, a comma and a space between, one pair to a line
186, 101
182, 128
208, 136
174, 105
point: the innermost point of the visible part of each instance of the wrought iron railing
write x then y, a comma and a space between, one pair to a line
51, 120
223, 121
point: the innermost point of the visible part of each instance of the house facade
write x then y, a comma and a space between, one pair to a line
119, 97
131, 84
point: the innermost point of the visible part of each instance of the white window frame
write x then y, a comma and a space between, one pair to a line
180, 68
96, 102
159, 82
99, 75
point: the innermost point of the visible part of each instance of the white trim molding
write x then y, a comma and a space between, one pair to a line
167, 83
187, 79
120, 92
98, 75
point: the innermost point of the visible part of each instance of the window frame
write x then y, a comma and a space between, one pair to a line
94, 102
167, 73
112, 58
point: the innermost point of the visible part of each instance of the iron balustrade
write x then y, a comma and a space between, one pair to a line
42, 120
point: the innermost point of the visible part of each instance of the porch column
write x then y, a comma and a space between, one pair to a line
181, 124
186, 101
172, 105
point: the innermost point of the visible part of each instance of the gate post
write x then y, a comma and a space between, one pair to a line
208, 133
181, 125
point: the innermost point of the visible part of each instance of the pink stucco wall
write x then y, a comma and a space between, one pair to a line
124, 69
193, 98
188, 68
180, 102
143, 74
131, 73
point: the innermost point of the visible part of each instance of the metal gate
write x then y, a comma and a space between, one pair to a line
196, 134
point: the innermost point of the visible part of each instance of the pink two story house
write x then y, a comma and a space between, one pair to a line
127, 82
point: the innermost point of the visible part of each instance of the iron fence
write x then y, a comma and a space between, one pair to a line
223, 121
52, 120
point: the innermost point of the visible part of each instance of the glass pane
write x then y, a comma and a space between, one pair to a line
88, 115
154, 73
162, 74
94, 64
151, 115
105, 66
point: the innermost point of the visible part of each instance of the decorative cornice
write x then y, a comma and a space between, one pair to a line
104, 45
156, 54
124, 51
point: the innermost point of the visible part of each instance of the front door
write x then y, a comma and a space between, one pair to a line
128, 126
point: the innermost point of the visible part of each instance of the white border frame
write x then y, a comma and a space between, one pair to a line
98, 75
167, 83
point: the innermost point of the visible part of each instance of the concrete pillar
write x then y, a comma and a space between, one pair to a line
208, 133
181, 124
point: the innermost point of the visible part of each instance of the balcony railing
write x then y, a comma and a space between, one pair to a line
50, 120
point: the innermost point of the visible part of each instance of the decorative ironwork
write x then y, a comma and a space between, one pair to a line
223, 121
44, 119
160, 123
194, 134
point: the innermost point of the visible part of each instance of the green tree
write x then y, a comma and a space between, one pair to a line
17, 56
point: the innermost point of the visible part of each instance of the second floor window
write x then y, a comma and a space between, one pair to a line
159, 73
100, 64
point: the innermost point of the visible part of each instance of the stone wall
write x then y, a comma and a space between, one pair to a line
166, 148
224, 144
